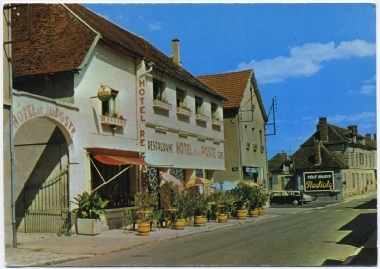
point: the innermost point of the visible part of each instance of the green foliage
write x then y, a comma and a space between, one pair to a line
90, 206
145, 199
64, 232
177, 199
223, 201
198, 204
241, 193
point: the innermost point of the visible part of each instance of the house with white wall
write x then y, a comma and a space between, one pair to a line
99, 108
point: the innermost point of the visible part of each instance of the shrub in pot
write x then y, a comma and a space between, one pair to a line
242, 193
147, 203
88, 212
198, 206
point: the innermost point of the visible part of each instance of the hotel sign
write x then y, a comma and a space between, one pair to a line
318, 181
104, 93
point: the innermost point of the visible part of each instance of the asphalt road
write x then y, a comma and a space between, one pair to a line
320, 237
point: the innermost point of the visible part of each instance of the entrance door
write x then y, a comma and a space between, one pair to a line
41, 161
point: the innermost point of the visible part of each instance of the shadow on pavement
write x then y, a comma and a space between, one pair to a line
362, 228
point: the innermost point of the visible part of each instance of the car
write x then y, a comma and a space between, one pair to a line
308, 198
282, 197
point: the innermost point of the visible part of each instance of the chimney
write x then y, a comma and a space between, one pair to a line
322, 127
317, 153
176, 58
353, 129
374, 136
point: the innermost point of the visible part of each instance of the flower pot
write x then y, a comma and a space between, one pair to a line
254, 212
199, 221
88, 226
143, 228
261, 211
241, 214
222, 218
179, 224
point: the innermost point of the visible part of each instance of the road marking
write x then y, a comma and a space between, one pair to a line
338, 210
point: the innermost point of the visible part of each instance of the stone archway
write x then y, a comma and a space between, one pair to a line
41, 176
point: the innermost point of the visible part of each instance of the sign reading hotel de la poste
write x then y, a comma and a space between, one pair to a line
318, 181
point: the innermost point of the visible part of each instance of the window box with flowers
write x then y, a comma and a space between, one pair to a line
201, 117
113, 119
162, 104
217, 122
184, 111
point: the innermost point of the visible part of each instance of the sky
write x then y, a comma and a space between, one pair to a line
315, 60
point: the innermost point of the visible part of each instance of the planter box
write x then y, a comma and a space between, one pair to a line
217, 122
88, 226
201, 117
184, 112
162, 105
112, 121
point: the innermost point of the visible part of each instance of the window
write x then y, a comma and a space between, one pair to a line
181, 98
214, 111
109, 107
353, 180
361, 158
158, 90
352, 159
198, 105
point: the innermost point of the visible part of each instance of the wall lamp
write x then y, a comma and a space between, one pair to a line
201, 138
161, 129
217, 142
183, 134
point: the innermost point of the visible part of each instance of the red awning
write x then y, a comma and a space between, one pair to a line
119, 160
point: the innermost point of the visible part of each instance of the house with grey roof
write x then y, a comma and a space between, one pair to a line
336, 159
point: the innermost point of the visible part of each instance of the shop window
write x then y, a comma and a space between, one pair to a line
118, 191
158, 91
109, 107
251, 173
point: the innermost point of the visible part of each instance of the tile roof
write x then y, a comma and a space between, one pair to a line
62, 35
231, 85
303, 159
337, 135
275, 164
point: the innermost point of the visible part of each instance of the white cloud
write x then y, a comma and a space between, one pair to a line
155, 26
368, 89
356, 119
306, 60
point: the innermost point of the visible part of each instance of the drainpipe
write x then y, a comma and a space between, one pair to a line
11, 131
240, 157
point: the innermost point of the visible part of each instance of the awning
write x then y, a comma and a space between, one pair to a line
119, 160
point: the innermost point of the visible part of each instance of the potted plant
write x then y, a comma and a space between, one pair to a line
146, 202
222, 204
241, 192
88, 212
253, 202
262, 200
198, 206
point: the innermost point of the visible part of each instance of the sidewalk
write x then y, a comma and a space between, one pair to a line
48, 249
35, 250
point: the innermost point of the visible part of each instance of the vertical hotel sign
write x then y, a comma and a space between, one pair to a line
141, 86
